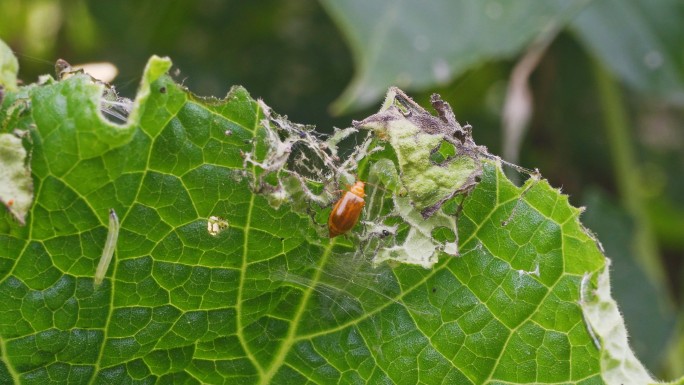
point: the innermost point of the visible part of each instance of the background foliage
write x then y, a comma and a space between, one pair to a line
607, 101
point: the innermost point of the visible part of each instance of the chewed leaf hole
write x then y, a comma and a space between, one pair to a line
115, 109
443, 153
443, 234
215, 225
452, 206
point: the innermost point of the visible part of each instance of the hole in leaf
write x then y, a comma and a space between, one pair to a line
115, 108
451, 206
443, 234
443, 153
215, 225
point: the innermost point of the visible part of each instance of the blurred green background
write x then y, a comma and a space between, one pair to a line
589, 92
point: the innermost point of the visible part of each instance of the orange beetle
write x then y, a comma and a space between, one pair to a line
347, 210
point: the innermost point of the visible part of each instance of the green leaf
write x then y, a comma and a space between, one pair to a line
9, 67
415, 135
647, 313
411, 45
223, 271
639, 42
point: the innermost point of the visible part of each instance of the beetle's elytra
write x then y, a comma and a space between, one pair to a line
347, 210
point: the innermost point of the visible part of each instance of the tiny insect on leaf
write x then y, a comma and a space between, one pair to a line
347, 210
108, 250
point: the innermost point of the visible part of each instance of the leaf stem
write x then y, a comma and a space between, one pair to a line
627, 176
291, 337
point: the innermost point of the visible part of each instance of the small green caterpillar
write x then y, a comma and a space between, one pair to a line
109, 247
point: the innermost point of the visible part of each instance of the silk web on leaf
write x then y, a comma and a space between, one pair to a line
415, 165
